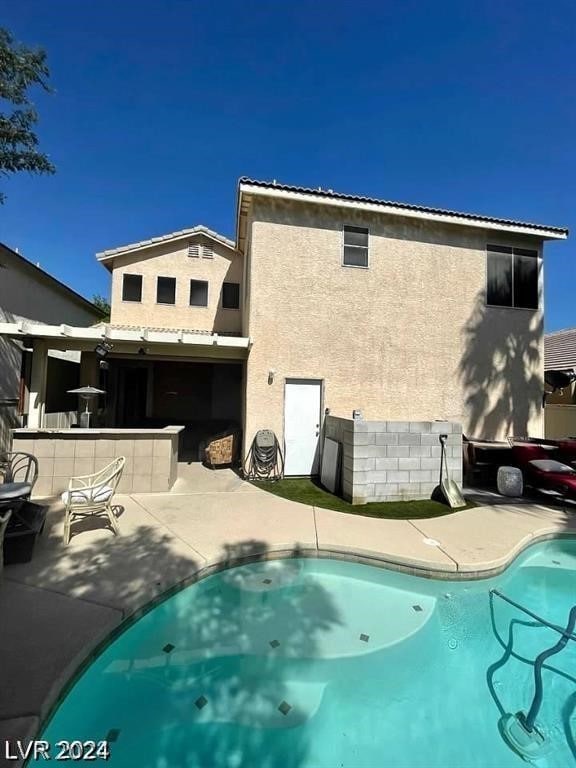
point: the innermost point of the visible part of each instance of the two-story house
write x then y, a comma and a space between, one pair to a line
323, 301
401, 311
185, 281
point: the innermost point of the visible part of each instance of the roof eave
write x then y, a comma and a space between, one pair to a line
52, 281
106, 257
448, 217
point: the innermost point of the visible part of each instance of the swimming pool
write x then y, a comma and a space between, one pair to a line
318, 663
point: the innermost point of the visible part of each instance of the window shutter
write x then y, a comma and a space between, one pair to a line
193, 250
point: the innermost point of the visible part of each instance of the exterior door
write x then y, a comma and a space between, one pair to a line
302, 403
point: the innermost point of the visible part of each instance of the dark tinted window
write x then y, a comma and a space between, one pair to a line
132, 288
166, 290
355, 247
500, 279
231, 296
198, 293
512, 277
525, 281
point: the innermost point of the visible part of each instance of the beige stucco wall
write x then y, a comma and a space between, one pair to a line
27, 294
409, 338
172, 260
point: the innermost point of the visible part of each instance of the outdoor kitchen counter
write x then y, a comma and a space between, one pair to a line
151, 456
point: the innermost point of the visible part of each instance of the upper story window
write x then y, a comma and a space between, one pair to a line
355, 247
131, 287
231, 296
198, 293
512, 277
166, 290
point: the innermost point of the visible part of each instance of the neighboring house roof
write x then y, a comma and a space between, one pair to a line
11, 257
109, 255
560, 350
248, 187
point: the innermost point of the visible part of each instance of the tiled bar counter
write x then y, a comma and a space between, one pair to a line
151, 456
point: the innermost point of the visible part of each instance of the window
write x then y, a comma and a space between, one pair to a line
198, 293
193, 250
132, 287
355, 247
166, 290
512, 277
231, 296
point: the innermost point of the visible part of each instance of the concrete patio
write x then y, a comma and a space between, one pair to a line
59, 606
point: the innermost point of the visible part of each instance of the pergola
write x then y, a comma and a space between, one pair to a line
125, 340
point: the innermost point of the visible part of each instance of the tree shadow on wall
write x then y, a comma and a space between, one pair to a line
500, 370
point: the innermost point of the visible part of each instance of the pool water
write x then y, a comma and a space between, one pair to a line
317, 663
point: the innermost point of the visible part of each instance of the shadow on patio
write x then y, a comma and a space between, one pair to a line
221, 632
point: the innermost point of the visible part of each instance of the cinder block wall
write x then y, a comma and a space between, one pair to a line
394, 460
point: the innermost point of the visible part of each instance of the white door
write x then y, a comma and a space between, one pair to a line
302, 426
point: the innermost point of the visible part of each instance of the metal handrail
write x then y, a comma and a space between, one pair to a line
555, 627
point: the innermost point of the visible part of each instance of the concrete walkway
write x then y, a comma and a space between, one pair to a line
58, 607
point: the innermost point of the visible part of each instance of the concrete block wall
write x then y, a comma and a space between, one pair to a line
394, 460
342, 430
151, 460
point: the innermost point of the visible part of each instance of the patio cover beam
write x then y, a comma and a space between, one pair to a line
68, 334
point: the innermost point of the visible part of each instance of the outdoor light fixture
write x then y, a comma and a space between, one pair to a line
103, 348
271, 374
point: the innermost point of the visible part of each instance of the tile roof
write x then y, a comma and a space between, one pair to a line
198, 230
560, 349
330, 194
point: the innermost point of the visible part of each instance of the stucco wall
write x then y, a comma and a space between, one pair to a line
26, 295
410, 338
172, 260
560, 421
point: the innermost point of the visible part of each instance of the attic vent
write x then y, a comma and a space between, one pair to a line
193, 250
207, 252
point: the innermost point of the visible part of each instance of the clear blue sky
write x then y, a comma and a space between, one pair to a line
161, 106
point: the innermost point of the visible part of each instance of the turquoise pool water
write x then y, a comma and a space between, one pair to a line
329, 664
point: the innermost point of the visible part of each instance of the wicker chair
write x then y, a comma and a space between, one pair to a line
3, 525
223, 450
18, 474
92, 494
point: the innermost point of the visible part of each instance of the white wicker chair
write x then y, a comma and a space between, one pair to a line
92, 494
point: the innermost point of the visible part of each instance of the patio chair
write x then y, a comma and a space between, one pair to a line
3, 525
19, 472
92, 495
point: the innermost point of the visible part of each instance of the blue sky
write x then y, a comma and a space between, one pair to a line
159, 107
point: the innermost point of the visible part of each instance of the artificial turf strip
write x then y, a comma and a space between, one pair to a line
307, 491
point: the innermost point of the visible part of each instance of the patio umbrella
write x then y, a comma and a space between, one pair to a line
85, 393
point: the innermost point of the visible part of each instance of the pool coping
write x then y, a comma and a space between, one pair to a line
66, 680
